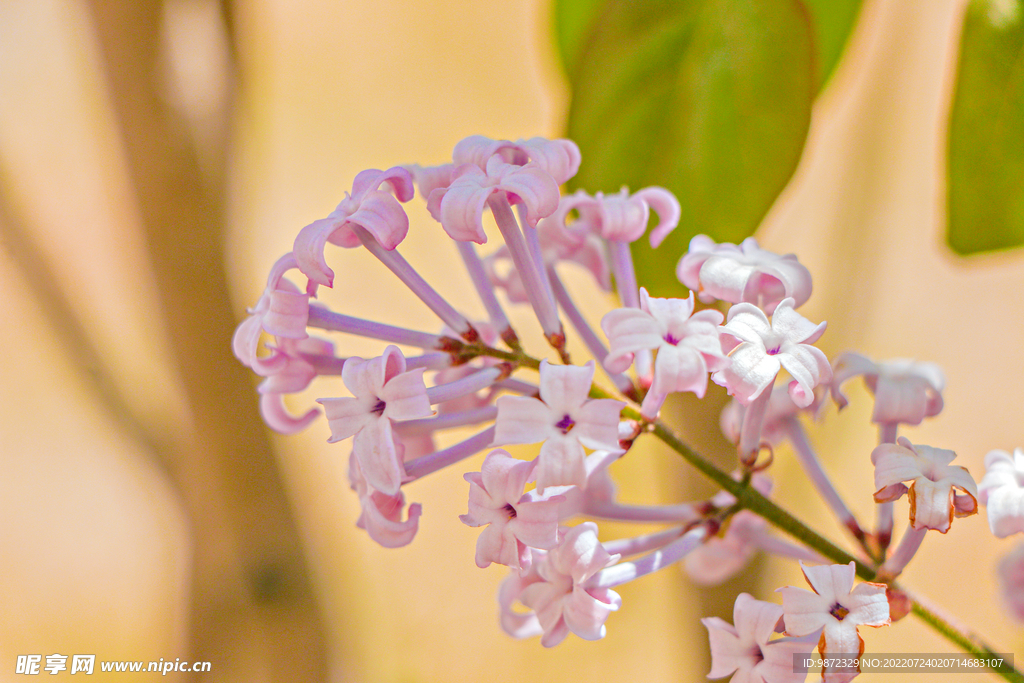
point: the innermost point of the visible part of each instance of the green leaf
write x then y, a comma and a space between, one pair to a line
708, 98
986, 132
573, 20
833, 23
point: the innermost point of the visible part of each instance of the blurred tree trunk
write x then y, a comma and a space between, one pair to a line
253, 612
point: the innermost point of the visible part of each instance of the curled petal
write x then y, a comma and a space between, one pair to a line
279, 419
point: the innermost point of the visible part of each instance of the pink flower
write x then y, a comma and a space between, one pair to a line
933, 483
430, 178
382, 514
564, 418
746, 648
623, 217
688, 345
292, 374
459, 207
383, 392
515, 521
836, 608
1001, 490
368, 207
905, 391
744, 273
558, 598
1011, 582
282, 311
759, 350
558, 158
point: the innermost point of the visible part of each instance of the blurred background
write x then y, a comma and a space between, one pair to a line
157, 157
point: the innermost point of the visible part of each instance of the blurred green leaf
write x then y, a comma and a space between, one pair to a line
573, 20
709, 98
986, 132
833, 22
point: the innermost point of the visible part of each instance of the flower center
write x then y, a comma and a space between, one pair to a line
838, 611
509, 510
565, 424
774, 350
669, 339
378, 408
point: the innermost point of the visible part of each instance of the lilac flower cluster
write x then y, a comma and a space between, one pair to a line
562, 575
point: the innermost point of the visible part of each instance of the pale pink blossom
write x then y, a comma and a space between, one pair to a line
381, 515
759, 349
559, 599
558, 158
368, 207
906, 391
282, 310
515, 521
836, 609
564, 419
623, 217
687, 343
743, 273
459, 207
1011, 582
290, 376
747, 648
382, 392
1001, 491
516, 622
934, 483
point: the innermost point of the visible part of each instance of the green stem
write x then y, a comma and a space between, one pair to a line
749, 498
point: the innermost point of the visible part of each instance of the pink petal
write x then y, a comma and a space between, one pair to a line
534, 188
831, 581
279, 419
522, 420
597, 423
629, 330
666, 206
374, 448
565, 387
381, 215
561, 463
345, 416
460, 208
382, 519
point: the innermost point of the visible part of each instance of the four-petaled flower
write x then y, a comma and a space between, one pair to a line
688, 345
743, 273
558, 596
934, 500
906, 391
558, 158
382, 392
1001, 491
368, 207
515, 521
282, 310
460, 206
292, 374
564, 419
623, 217
746, 648
760, 349
836, 608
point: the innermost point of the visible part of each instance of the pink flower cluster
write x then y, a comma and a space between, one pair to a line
536, 515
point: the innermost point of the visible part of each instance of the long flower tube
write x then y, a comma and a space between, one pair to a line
812, 466
623, 572
428, 464
478, 275
586, 332
415, 282
324, 319
529, 271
